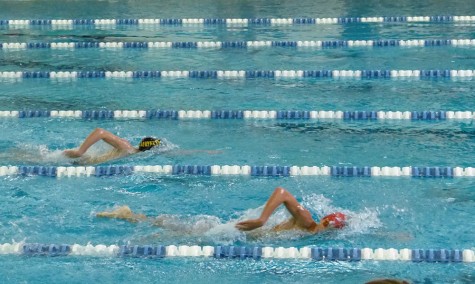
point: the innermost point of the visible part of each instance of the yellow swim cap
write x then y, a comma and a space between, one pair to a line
147, 143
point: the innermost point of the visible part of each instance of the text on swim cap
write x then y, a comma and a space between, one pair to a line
149, 143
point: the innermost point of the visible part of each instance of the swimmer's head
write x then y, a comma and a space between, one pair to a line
335, 220
148, 143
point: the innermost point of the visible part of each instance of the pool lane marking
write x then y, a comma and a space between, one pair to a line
240, 44
241, 170
104, 23
152, 114
380, 74
243, 252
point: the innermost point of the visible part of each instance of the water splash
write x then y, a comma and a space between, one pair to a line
165, 146
33, 154
358, 222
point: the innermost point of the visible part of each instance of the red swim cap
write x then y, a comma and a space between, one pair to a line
335, 220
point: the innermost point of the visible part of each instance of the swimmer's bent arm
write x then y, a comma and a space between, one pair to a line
123, 213
300, 216
97, 135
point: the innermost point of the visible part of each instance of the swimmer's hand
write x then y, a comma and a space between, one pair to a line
325, 222
249, 225
72, 153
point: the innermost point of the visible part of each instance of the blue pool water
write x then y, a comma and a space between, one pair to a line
383, 212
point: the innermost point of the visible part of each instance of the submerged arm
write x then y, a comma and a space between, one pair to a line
191, 152
92, 160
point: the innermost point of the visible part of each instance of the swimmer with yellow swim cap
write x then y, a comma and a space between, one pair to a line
121, 146
301, 218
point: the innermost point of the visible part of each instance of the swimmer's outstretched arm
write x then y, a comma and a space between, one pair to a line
301, 218
191, 152
97, 135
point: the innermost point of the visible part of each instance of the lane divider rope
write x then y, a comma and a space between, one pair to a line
241, 114
246, 74
234, 21
242, 252
245, 170
240, 44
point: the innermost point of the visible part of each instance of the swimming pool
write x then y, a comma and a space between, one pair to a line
407, 123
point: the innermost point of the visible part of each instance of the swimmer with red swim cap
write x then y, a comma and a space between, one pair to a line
301, 218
